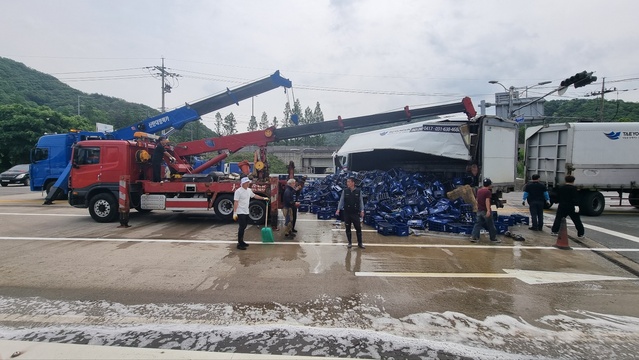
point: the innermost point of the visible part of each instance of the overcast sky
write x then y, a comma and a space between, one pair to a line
353, 57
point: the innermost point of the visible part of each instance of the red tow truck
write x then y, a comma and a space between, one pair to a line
100, 166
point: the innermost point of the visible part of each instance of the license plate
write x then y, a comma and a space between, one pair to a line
5, 180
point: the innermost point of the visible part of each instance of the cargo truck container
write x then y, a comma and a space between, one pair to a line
601, 156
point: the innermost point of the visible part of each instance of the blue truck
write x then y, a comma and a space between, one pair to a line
50, 158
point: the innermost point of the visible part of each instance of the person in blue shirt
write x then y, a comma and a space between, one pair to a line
537, 195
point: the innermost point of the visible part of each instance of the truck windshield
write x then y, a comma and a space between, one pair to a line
38, 154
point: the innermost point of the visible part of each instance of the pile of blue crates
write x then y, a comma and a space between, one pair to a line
397, 200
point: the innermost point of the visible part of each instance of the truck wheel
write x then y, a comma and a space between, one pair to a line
103, 208
633, 198
223, 207
592, 203
257, 211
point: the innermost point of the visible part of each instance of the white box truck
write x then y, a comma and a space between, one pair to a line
601, 156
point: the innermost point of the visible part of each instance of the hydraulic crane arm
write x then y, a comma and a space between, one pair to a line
235, 142
407, 114
179, 117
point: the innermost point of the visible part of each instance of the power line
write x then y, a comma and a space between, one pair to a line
94, 71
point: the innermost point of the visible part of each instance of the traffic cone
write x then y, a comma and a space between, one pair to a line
562, 237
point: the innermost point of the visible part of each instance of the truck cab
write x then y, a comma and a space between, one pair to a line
51, 155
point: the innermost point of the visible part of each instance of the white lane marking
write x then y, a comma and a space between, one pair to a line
288, 242
528, 276
613, 233
25, 214
598, 229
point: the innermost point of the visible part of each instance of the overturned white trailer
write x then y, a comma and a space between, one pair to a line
443, 147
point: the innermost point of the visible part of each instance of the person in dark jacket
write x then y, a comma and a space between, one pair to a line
568, 198
288, 204
537, 195
158, 158
298, 196
351, 207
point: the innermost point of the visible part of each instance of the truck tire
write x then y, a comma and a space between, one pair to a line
223, 207
103, 208
592, 203
633, 198
257, 212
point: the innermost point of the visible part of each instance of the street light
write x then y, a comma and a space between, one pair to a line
537, 84
497, 82
510, 95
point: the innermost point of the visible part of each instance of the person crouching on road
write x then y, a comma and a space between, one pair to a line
484, 213
241, 200
288, 204
352, 207
537, 195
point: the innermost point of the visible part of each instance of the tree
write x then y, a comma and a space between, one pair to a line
318, 115
287, 114
275, 123
21, 126
252, 125
297, 109
229, 125
264, 121
217, 125
308, 116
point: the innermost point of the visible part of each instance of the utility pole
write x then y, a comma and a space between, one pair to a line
603, 92
603, 83
164, 74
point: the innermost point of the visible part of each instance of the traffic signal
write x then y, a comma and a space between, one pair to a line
579, 79
585, 80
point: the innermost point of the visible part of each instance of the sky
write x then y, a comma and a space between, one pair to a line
354, 57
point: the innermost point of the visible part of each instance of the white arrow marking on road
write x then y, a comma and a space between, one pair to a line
528, 276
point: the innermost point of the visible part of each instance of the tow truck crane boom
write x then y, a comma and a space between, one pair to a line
175, 119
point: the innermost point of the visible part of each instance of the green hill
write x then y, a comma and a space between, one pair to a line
22, 85
33, 103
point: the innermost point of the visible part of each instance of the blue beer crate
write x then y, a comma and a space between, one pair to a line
303, 208
324, 215
504, 219
438, 225
520, 219
385, 228
501, 228
416, 224
460, 228
401, 230
315, 209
